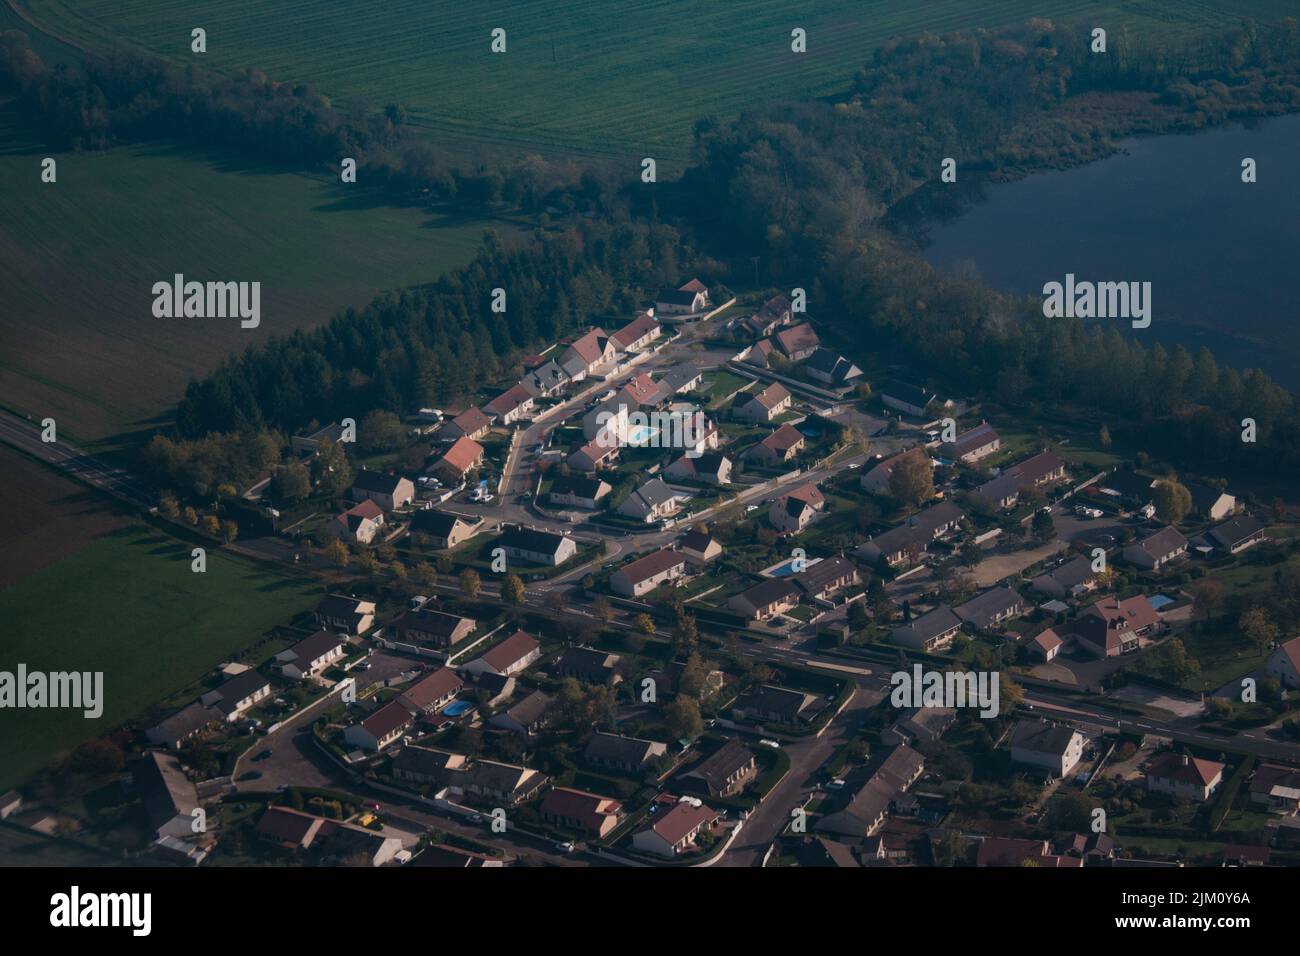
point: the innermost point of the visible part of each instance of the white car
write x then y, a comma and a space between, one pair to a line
770, 743
749, 508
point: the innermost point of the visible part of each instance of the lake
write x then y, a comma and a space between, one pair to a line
1172, 210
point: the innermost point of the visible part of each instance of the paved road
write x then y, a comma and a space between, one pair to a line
770, 818
121, 484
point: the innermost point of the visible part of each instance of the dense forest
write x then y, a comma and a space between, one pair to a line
427, 345
806, 187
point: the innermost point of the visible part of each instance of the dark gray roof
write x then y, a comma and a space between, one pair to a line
714, 769
376, 482
1235, 530
1041, 737
983, 607
528, 539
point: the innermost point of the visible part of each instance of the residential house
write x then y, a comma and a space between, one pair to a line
1045, 645
169, 797
798, 342
310, 656
443, 529
1004, 491
1015, 852
867, 809
433, 692
1237, 534
433, 628
446, 857
1072, 579
626, 754
588, 813
700, 548
511, 656
931, 631
1128, 486
651, 502
712, 469
796, 509
773, 314
587, 353
426, 766
876, 480
908, 541
537, 547
920, 725
1157, 549
766, 599
387, 724
464, 455
822, 579
545, 381
578, 491
910, 399
347, 842
187, 722
647, 573
760, 353
972, 445
723, 773
1284, 663
511, 405
345, 614
1210, 503
680, 302
638, 333
502, 784
288, 829
1276, 788
589, 665
770, 403
1186, 777
831, 368
600, 452
387, 491
526, 718
360, 523
782, 445
1112, 627
986, 610
307, 446
473, 423
674, 831
1038, 743
779, 705
237, 694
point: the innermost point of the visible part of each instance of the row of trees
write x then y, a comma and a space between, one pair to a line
120, 97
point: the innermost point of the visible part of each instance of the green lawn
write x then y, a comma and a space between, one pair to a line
79, 257
624, 78
130, 606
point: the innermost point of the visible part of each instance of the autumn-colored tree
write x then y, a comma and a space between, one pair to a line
470, 583
513, 591
1172, 501
911, 482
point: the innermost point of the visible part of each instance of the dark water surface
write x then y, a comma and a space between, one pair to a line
1223, 256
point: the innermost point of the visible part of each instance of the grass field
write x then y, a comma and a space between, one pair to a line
78, 259
619, 77
58, 517
130, 606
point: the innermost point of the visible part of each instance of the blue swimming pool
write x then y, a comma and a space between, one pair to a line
457, 707
1160, 601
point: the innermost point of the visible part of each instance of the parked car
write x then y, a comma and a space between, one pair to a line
770, 743
565, 847
263, 755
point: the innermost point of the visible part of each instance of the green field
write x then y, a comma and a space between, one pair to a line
78, 259
129, 606
624, 78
